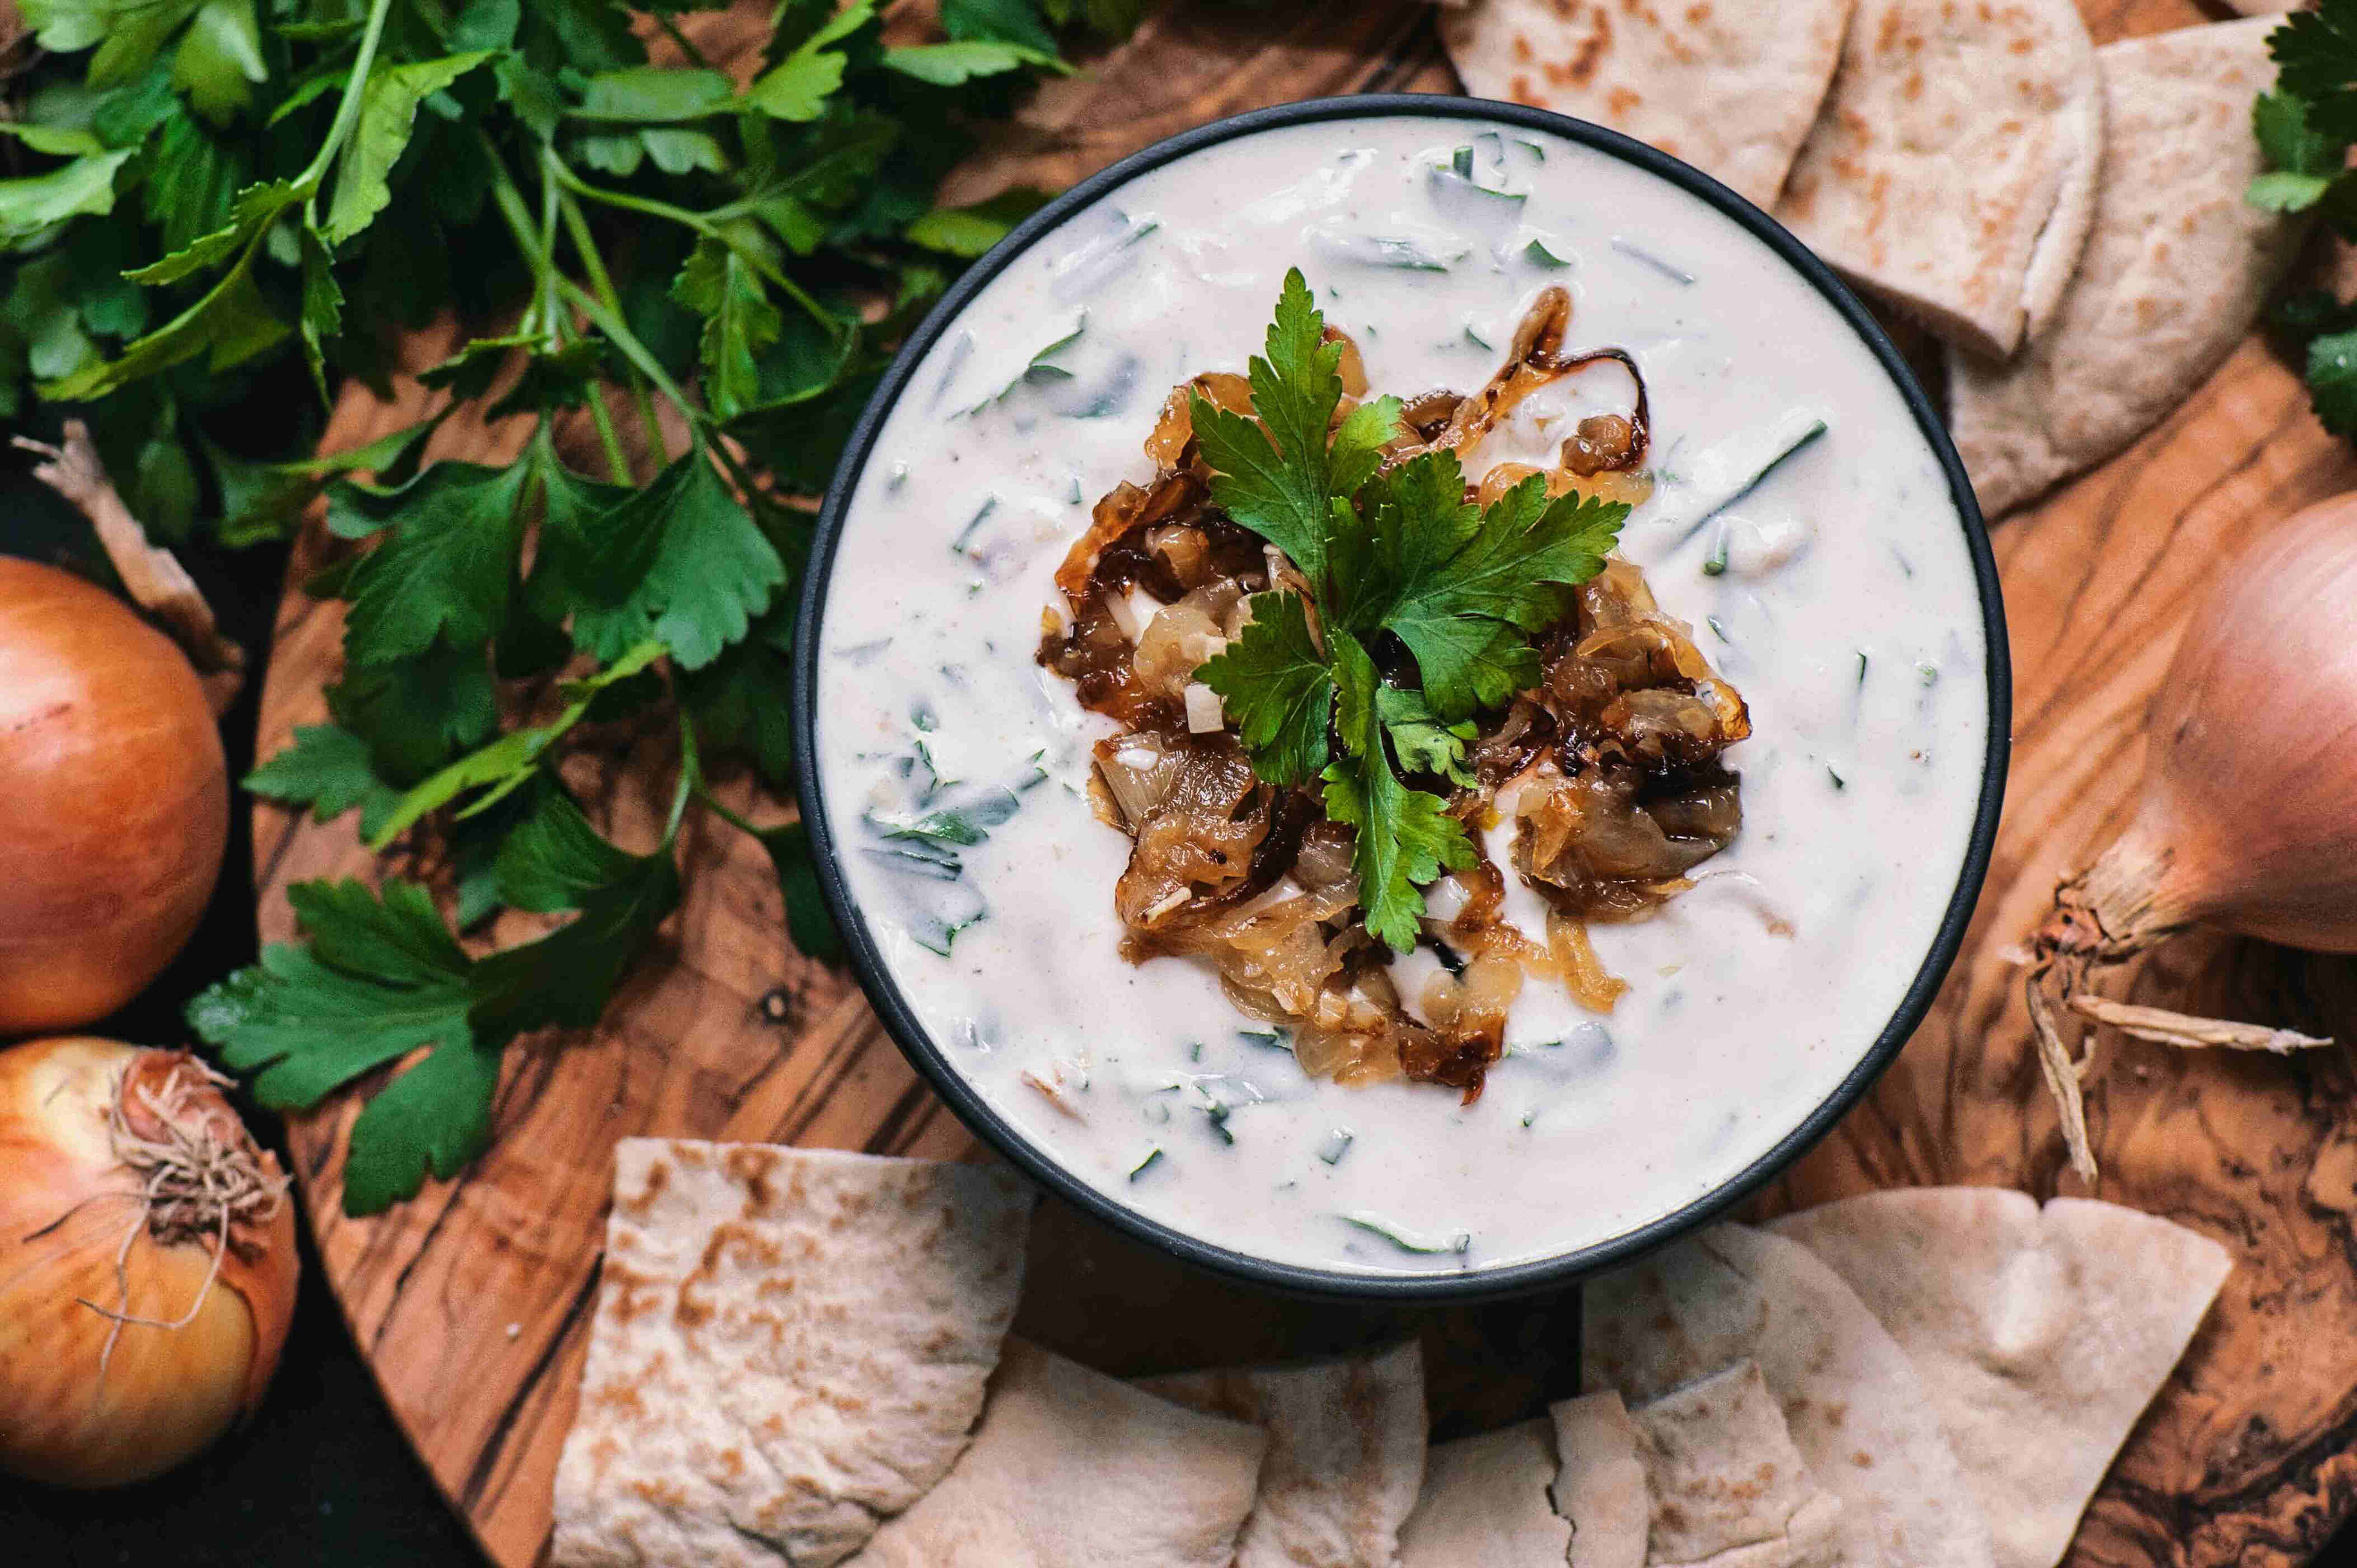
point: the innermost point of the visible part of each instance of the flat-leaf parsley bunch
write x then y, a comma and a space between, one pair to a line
1387, 553
206, 190
2305, 128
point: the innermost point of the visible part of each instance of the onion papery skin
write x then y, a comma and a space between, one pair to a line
2249, 812
117, 796
167, 1393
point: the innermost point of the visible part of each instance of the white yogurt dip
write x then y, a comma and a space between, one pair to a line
1839, 595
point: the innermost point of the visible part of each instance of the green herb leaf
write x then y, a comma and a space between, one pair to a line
1423, 744
382, 978
2316, 59
707, 570
1278, 691
648, 94
1456, 612
1405, 837
1005, 21
564, 979
440, 572
807, 920
328, 768
2332, 381
968, 231
1275, 473
956, 64
363, 173
797, 88
31, 204
719, 284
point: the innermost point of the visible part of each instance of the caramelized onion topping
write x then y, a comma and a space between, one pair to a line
1609, 767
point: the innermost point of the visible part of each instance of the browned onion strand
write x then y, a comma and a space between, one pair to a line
1612, 757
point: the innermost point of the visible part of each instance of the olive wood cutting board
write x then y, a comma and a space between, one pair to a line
473, 1302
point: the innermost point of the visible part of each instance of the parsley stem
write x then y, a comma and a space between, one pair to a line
702, 224
618, 331
540, 254
348, 110
691, 777
687, 45
711, 803
584, 244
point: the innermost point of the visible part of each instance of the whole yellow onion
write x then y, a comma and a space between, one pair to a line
147, 1261
117, 797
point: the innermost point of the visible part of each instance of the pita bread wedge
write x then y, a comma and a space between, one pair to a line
1720, 1467
789, 1343
1072, 1469
2174, 271
1345, 1453
1601, 1487
2041, 1334
1485, 1501
1952, 168
1858, 1413
1761, 70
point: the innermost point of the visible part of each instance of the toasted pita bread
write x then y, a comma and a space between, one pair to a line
1075, 1469
1952, 168
2041, 1334
1858, 1413
1761, 70
1720, 1467
1345, 1453
789, 1343
2175, 270
1485, 1500
1601, 1487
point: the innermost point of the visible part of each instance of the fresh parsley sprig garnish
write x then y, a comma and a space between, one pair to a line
1400, 555
207, 208
2305, 128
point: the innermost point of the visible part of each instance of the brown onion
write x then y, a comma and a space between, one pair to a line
147, 1261
2247, 820
118, 800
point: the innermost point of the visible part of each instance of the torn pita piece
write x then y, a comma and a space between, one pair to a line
1345, 1456
789, 1345
2041, 1334
1485, 1501
1951, 171
2174, 271
1856, 1411
1075, 1469
1761, 69
1601, 1487
1727, 1484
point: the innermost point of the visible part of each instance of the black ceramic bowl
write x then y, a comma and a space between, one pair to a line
927, 1056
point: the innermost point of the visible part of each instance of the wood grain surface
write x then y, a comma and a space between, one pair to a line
472, 1302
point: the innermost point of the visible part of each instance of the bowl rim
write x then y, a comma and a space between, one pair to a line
1564, 1268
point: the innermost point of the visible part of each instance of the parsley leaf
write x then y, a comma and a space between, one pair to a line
1277, 689
1276, 474
2315, 61
440, 570
691, 567
1405, 838
328, 768
719, 284
1422, 742
1460, 614
2332, 381
382, 978
363, 174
